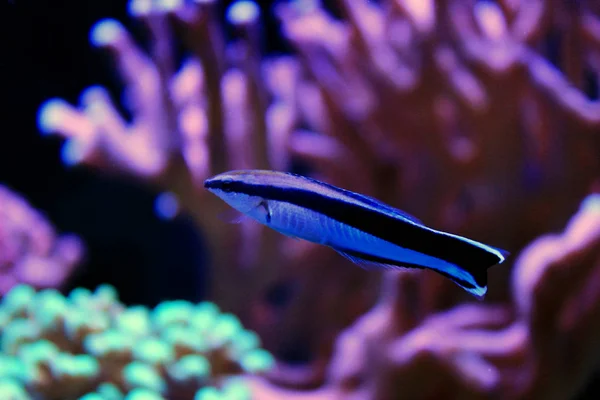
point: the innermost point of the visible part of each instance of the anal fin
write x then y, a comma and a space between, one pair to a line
364, 263
233, 217
367, 261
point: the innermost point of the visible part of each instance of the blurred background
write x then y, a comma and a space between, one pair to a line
479, 117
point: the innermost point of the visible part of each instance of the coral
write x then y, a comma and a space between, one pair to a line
31, 251
556, 293
225, 108
456, 105
90, 346
477, 351
451, 110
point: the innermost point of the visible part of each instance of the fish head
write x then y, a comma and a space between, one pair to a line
232, 187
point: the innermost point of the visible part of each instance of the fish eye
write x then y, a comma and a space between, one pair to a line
227, 185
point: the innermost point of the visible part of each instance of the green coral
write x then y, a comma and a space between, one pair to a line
89, 346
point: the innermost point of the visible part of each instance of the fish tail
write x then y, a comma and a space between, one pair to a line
472, 278
504, 253
477, 285
477, 272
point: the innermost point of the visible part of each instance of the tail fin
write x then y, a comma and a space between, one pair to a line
504, 253
477, 288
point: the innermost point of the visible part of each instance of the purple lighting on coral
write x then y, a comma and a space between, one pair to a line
105, 32
591, 203
72, 152
49, 115
31, 251
305, 6
242, 12
489, 16
58, 116
139, 7
169, 5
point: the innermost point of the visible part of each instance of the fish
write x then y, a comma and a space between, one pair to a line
363, 229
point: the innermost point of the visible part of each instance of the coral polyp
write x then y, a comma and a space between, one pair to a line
88, 345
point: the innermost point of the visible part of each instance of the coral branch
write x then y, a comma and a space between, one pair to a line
450, 110
556, 291
31, 251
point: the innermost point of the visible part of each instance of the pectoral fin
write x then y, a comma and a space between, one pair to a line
265, 206
233, 217
239, 216
262, 211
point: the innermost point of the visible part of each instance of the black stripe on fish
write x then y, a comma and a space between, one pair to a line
370, 201
380, 224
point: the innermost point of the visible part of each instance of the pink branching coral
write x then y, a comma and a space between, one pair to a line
31, 251
451, 110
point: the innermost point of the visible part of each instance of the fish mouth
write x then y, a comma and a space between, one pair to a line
210, 183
